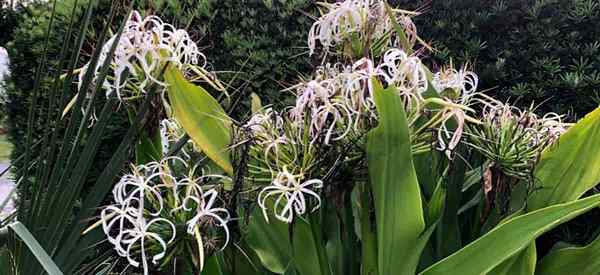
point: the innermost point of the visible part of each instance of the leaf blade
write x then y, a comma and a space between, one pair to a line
201, 117
397, 197
493, 248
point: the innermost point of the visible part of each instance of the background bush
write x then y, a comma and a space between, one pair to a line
542, 51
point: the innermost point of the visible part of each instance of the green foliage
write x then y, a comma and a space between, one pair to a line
26, 49
261, 45
397, 198
529, 51
565, 172
482, 255
202, 117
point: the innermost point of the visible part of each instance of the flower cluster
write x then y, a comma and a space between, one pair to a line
290, 191
282, 156
151, 202
513, 138
359, 20
144, 47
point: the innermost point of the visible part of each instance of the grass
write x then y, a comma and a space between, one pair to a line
5, 148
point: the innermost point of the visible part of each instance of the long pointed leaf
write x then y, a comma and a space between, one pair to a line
504, 241
201, 117
398, 206
571, 167
35, 247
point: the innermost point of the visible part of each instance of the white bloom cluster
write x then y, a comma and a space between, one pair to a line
140, 220
458, 87
143, 49
538, 130
328, 107
358, 20
290, 192
339, 98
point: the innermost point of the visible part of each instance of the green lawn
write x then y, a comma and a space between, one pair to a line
5, 148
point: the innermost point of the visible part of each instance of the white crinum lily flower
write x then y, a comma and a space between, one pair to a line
407, 74
115, 219
458, 88
125, 228
144, 47
267, 130
136, 237
349, 20
204, 209
136, 188
170, 133
289, 191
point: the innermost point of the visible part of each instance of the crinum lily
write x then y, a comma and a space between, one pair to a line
290, 192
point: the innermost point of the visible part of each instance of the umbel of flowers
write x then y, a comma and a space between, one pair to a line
161, 206
336, 106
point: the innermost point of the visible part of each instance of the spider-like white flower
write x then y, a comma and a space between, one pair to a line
362, 19
137, 187
407, 74
170, 133
125, 227
458, 89
141, 223
268, 133
144, 47
461, 82
540, 130
322, 100
137, 236
263, 123
553, 126
291, 192
204, 209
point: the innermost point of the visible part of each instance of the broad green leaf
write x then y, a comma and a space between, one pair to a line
212, 266
507, 239
570, 167
362, 205
397, 197
36, 249
270, 241
201, 117
308, 249
520, 264
4, 261
579, 260
567, 169
435, 207
448, 233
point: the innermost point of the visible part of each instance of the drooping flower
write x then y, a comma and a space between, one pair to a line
347, 21
155, 199
513, 138
458, 89
143, 49
290, 196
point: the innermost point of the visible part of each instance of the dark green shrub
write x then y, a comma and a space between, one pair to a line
262, 44
545, 51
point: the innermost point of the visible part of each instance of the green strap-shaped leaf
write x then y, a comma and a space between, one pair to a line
520, 264
270, 241
504, 241
308, 249
36, 249
398, 206
571, 167
572, 260
201, 117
